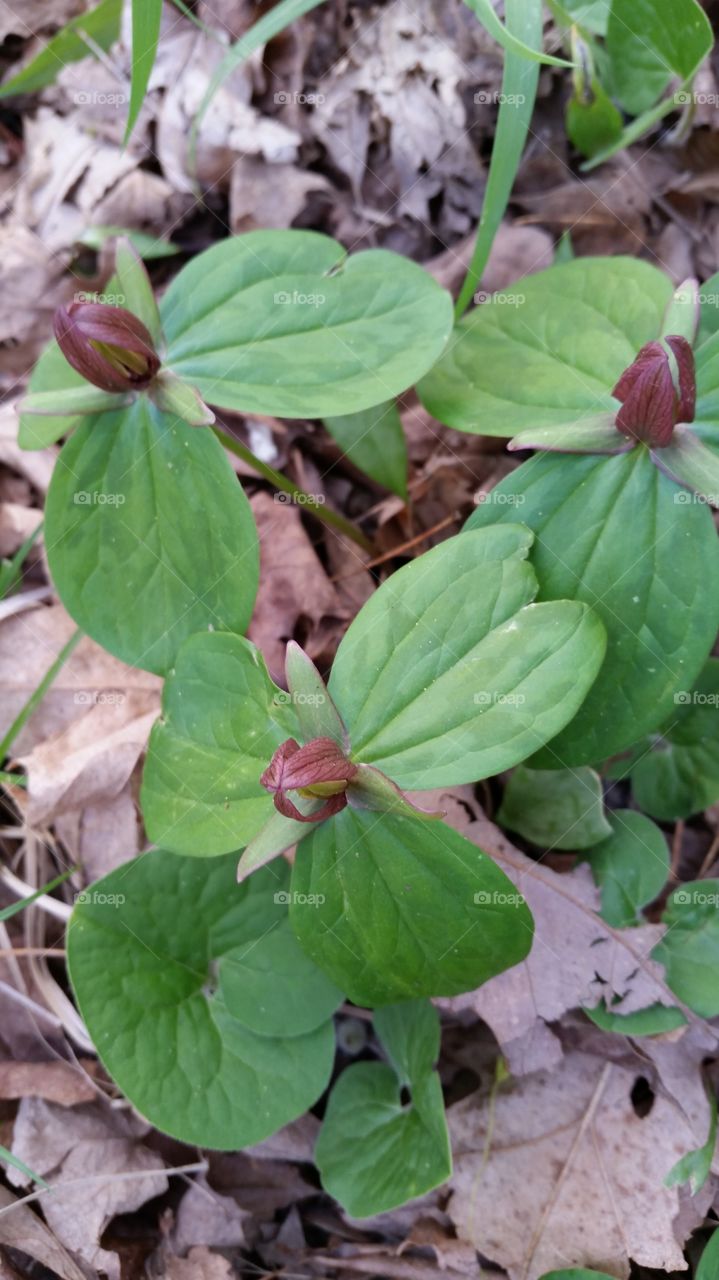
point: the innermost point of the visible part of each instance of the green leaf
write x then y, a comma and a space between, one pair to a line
393, 908
708, 1268
146, 245
689, 950
695, 1166
692, 463
519, 90
52, 373
444, 677
11, 569
101, 24
146, 19
708, 310
677, 773
73, 402
488, 17
631, 866
272, 987
316, 712
136, 287
591, 15
374, 441
133, 554
144, 948
652, 1021
647, 46
282, 322
593, 122
550, 349
594, 434
223, 719
375, 1152
555, 809
657, 593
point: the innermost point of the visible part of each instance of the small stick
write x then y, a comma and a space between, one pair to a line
398, 551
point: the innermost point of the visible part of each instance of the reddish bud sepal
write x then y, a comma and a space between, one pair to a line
318, 770
652, 402
107, 345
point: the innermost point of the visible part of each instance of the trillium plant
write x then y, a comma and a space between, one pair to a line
301, 862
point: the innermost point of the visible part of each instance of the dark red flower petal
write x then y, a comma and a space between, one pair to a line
109, 346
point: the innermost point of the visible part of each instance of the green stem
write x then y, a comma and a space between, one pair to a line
24, 715
318, 509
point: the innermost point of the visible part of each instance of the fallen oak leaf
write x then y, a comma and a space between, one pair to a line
59, 1082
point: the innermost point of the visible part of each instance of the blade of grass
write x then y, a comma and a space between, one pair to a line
23, 716
266, 28
12, 910
102, 25
315, 508
146, 16
10, 569
23, 1168
12, 779
509, 38
519, 89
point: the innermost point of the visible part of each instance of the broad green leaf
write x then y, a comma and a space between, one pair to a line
136, 287
649, 44
676, 773
149, 535
689, 950
652, 1021
631, 866
656, 592
444, 677
374, 441
593, 121
576, 1273
283, 322
375, 1152
144, 947
223, 719
146, 18
591, 15
316, 713
52, 373
393, 908
695, 1166
708, 1268
101, 24
594, 434
692, 463
146, 245
550, 349
519, 90
556, 808
509, 42
272, 987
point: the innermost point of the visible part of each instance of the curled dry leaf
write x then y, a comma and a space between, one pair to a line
576, 959
574, 1177
59, 1082
91, 1144
22, 1229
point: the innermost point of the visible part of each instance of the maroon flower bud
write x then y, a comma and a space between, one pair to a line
315, 771
108, 345
654, 399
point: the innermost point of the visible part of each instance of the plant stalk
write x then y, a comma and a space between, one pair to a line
281, 482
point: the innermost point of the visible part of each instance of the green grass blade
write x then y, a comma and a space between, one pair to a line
102, 25
13, 909
146, 15
24, 715
10, 569
519, 89
266, 28
18, 1164
509, 39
